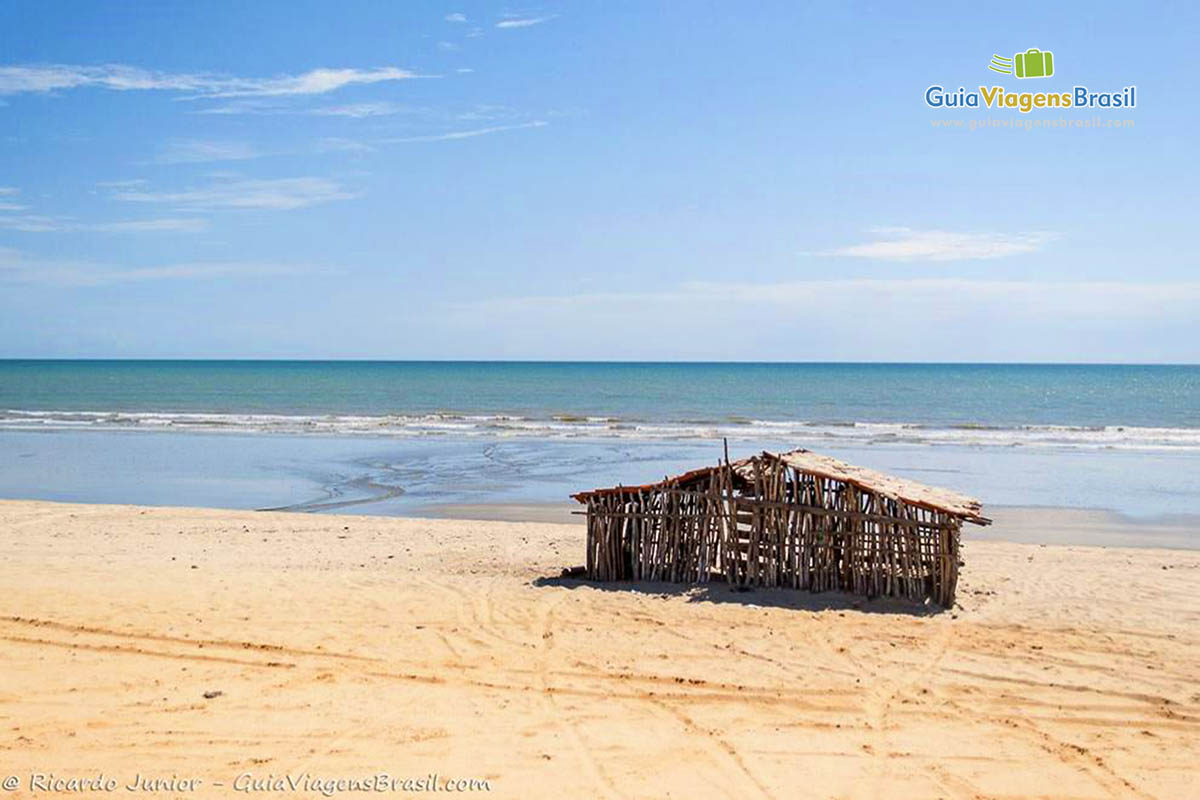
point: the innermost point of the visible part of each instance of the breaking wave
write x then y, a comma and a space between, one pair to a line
567, 426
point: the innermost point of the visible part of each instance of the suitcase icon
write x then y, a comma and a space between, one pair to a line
1034, 63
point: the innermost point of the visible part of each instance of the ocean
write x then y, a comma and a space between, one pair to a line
399, 437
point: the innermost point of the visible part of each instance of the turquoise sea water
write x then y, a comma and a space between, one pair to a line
1102, 406
389, 436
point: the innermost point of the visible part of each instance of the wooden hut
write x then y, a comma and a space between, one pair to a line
796, 519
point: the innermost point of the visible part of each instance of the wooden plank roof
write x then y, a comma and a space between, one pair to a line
897, 488
902, 489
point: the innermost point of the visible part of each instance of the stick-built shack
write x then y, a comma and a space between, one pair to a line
796, 519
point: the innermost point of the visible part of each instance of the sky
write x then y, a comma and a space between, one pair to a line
593, 181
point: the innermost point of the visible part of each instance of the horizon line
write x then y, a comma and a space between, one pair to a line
363, 360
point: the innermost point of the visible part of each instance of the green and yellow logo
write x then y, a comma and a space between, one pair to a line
1033, 63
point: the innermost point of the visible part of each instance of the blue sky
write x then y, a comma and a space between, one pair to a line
725, 181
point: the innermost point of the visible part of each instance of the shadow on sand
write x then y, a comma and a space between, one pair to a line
721, 592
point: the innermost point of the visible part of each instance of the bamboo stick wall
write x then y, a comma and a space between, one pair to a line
773, 525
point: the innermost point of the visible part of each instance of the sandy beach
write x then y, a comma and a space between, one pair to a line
211, 645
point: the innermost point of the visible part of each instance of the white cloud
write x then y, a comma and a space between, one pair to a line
523, 22
445, 137
122, 184
276, 194
31, 223
17, 267
5, 205
483, 112
317, 81
119, 77
501, 118
339, 144
38, 223
358, 110
262, 107
275, 107
51, 77
906, 244
455, 17
194, 151
160, 225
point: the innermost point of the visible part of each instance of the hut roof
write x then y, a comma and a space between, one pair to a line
682, 478
903, 489
870, 480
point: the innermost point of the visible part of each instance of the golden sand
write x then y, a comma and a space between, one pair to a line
212, 645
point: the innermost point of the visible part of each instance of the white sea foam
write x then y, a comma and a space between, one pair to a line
598, 427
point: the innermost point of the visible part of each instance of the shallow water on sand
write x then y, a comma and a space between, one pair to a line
396, 477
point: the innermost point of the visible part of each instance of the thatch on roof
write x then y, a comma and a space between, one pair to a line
795, 519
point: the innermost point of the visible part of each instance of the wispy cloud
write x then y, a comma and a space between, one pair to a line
503, 118
194, 151
482, 112
160, 225
273, 194
121, 184
358, 110
523, 22
907, 244
317, 81
31, 223
17, 267
437, 120
40, 223
455, 17
246, 107
8, 205
340, 144
202, 151
280, 108
119, 77
445, 137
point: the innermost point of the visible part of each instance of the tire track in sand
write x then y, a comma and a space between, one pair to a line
595, 770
